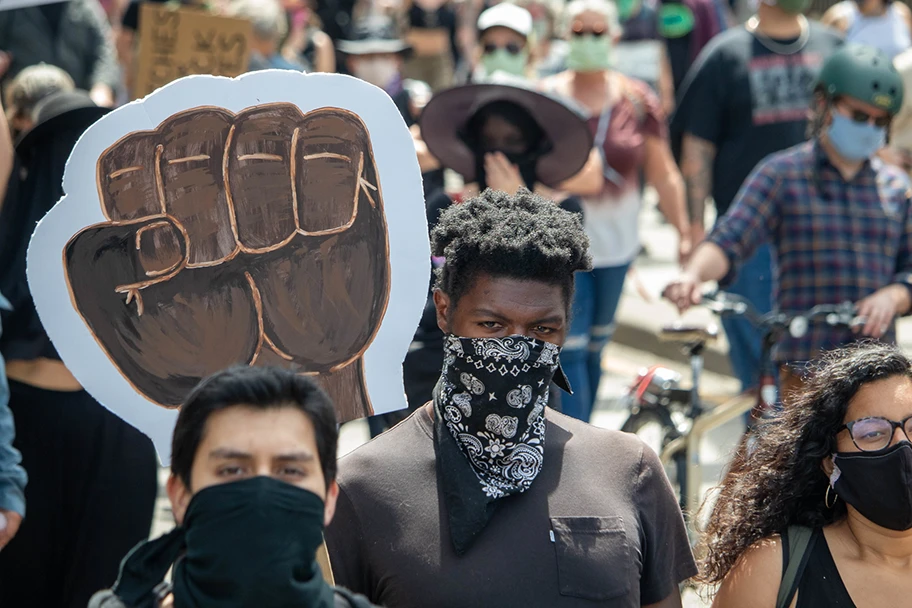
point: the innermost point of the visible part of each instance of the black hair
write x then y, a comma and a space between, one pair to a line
781, 482
259, 388
520, 236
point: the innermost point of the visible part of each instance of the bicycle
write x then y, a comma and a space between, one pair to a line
657, 399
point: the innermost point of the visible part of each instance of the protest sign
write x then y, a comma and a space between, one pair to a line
273, 219
177, 42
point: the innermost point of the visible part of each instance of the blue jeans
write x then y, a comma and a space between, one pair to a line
592, 325
754, 282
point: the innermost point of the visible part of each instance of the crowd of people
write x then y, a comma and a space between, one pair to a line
539, 127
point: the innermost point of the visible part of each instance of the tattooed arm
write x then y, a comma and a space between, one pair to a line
697, 156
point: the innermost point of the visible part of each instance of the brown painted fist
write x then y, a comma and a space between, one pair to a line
256, 238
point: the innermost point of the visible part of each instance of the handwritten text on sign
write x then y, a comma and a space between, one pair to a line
179, 42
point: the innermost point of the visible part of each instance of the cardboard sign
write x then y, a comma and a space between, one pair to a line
178, 42
273, 219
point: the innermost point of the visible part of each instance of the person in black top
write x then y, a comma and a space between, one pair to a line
836, 466
92, 476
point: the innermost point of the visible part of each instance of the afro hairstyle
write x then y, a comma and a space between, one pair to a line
520, 236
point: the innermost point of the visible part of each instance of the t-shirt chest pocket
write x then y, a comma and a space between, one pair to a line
593, 557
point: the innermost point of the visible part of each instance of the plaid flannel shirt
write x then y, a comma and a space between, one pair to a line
833, 240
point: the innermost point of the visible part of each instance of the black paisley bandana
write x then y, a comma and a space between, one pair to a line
490, 407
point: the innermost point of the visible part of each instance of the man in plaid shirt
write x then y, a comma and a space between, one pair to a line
838, 218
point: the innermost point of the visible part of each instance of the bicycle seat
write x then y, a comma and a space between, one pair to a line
688, 334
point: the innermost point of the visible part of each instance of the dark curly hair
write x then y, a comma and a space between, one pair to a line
522, 236
781, 483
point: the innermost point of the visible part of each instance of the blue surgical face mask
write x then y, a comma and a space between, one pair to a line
855, 140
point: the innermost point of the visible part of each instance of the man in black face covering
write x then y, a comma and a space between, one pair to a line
252, 485
485, 496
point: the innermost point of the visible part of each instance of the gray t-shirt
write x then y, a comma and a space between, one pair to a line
600, 526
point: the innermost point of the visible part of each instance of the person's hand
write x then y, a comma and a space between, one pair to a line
501, 174
684, 291
13, 521
878, 309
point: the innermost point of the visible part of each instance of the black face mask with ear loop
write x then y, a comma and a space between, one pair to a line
877, 484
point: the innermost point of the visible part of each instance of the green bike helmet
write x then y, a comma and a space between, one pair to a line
863, 73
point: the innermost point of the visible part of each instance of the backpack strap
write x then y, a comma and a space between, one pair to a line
797, 543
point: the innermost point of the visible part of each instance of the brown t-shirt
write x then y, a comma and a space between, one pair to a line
600, 526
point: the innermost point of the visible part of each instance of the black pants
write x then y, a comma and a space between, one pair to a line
89, 500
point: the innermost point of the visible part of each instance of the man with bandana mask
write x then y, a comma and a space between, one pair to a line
485, 496
746, 97
838, 218
253, 465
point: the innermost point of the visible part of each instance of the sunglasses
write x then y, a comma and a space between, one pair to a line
875, 433
861, 116
580, 30
511, 47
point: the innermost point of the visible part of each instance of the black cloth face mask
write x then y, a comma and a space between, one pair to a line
877, 484
242, 544
490, 424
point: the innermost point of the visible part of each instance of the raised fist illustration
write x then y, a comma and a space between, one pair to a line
252, 238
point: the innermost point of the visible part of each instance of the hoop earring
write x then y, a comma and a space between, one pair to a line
826, 498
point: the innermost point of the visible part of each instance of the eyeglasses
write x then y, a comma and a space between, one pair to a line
580, 30
875, 433
510, 47
863, 117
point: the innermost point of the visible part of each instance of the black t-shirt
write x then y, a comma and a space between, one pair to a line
749, 101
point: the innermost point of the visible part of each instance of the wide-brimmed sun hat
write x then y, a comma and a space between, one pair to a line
444, 119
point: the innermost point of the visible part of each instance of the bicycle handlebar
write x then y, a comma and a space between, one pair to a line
797, 323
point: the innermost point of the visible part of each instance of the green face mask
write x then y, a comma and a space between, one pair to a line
502, 60
793, 6
589, 53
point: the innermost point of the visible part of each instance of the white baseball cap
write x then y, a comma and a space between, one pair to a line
506, 15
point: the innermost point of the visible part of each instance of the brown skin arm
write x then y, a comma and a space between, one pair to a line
589, 180
663, 174
753, 582
697, 156
325, 59
7, 153
666, 84
426, 160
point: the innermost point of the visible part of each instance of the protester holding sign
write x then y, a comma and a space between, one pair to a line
93, 476
252, 485
470, 499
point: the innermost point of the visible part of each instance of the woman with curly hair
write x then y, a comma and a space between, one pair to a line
835, 467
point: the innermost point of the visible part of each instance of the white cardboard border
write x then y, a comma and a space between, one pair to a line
403, 200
